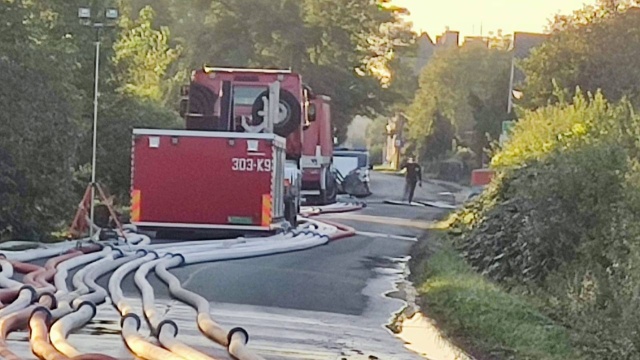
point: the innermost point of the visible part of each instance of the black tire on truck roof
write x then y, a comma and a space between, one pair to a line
200, 108
290, 123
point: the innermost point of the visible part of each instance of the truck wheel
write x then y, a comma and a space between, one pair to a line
201, 99
290, 112
291, 212
328, 195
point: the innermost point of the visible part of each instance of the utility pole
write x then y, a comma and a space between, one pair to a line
511, 79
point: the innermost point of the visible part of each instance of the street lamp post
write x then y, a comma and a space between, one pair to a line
84, 14
511, 79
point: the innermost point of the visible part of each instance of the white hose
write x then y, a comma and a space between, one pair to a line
208, 244
26, 296
130, 322
61, 328
7, 268
62, 270
115, 289
165, 334
148, 297
80, 286
34, 254
5, 276
98, 294
85, 304
205, 323
138, 345
299, 242
238, 339
136, 240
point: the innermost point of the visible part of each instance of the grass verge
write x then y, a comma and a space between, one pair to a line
482, 318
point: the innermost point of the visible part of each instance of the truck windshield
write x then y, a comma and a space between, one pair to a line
246, 95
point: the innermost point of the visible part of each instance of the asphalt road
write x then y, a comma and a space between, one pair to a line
330, 302
329, 278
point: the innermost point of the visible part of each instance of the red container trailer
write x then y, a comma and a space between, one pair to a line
207, 180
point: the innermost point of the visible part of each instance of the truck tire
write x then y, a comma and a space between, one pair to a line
291, 212
290, 113
329, 195
200, 108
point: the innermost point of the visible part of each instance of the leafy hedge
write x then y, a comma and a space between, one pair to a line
561, 222
43, 145
37, 152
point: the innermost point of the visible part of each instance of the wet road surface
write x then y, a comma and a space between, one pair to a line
324, 303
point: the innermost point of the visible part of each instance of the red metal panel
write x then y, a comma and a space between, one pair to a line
310, 139
201, 180
311, 174
325, 129
480, 177
319, 132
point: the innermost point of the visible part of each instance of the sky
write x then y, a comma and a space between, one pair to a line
467, 16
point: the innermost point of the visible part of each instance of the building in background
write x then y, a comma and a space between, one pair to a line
448, 39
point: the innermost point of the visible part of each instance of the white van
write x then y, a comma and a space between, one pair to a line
347, 160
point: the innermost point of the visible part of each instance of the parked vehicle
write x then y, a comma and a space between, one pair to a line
240, 162
353, 168
319, 184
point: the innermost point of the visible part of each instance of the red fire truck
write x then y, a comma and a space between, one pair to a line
319, 184
237, 166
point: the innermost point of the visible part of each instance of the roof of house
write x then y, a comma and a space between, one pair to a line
523, 42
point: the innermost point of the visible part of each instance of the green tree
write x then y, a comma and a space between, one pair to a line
597, 52
143, 55
467, 86
39, 142
341, 49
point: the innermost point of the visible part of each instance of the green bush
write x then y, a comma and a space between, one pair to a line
119, 114
560, 220
375, 153
37, 153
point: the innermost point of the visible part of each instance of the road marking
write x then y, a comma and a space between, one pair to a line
390, 236
418, 224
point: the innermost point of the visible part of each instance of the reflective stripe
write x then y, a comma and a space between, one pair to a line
135, 205
266, 210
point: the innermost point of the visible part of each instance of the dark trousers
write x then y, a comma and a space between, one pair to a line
410, 189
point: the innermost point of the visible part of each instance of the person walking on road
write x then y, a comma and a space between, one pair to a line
413, 176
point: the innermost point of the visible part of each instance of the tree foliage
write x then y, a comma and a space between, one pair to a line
342, 49
462, 91
596, 50
560, 221
143, 56
38, 146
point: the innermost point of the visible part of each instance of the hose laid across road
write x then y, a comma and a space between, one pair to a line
84, 305
130, 322
166, 331
38, 324
78, 307
18, 320
60, 278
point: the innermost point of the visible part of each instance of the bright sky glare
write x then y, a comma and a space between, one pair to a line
467, 16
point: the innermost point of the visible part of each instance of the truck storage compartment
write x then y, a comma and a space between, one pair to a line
207, 180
